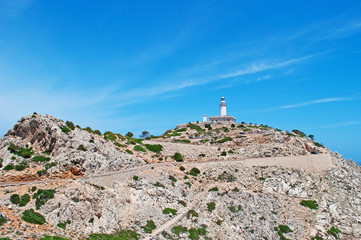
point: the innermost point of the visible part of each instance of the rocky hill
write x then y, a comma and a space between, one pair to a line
197, 181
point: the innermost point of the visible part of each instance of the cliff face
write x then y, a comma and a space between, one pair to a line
267, 185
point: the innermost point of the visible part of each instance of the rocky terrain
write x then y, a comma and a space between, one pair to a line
197, 181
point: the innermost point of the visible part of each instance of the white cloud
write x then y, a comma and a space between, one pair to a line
341, 124
324, 100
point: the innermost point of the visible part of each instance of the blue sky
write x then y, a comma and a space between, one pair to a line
150, 65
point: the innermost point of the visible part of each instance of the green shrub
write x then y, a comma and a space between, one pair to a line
42, 196
149, 227
188, 184
177, 230
192, 213
233, 209
129, 134
139, 148
173, 179
157, 148
235, 189
128, 151
110, 136
223, 154
22, 152
15, 199
1, 162
53, 238
50, 165
201, 155
65, 129
24, 200
97, 132
70, 125
31, 216
120, 235
158, 184
170, 211
334, 231
8, 167
194, 172
41, 172
309, 203
317, 238
219, 222
211, 206
41, 159
88, 129
82, 148
281, 230
182, 168
215, 189
118, 144
21, 166
183, 203
225, 176
318, 144
261, 178
2, 221
226, 139
178, 157
62, 225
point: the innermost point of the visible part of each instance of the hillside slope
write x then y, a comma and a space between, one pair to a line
238, 181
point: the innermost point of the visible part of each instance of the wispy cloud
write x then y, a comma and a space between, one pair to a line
341, 124
304, 104
323, 100
343, 31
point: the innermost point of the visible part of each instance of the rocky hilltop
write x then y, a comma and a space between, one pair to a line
197, 181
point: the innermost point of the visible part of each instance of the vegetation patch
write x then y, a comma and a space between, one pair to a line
192, 213
2, 221
170, 211
309, 203
42, 196
82, 148
234, 209
215, 189
38, 159
110, 136
183, 203
149, 227
226, 176
157, 148
22, 152
334, 231
120, 235
53, 238
173, 179
31, 216
194, 233
139, 148
177, 230
282, 229
24, 199
158, 184
70, 125
21, 166
8, 167
194, 172
178, 157
211, 206
65, 129
128, 151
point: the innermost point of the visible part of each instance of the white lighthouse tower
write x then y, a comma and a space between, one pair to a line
222, 108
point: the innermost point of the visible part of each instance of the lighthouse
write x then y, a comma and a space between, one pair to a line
222, 118
222, 108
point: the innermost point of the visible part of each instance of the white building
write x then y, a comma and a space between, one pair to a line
222, 118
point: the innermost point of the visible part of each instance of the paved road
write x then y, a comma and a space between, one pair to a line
311, 163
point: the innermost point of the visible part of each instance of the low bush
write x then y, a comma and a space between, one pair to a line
31, 216
215, 189
139, 148
178, 157
22, 152
53, 238
110, 136
21, 166
194, 172
309, 203
177, 230
119, 145
42, 196
128, 151
120, 235
223, 154
15, 199
62, 225
194, 233
41, 172
183, 203
1, 162
38, 159
170, 211
70, 125
173, 179
192, 213
211, 206
281, 230
334, 231
225, 176
82, 148
24, 200
97, 132
65, 129
149, 227
157, 148
2, 221
233, 209
158, 184
8, 167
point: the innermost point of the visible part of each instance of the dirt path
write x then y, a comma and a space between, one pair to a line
312, 163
